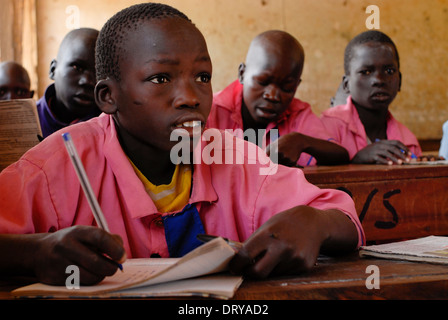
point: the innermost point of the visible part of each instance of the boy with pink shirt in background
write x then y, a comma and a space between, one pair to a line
46, 222
364, 125
263, 99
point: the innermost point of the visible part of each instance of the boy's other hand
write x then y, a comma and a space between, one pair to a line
82, 246
288, 243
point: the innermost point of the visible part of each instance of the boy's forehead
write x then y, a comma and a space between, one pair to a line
13, 74
276, 48
272, 57
163, 35
81, 44
371, 51
165, 30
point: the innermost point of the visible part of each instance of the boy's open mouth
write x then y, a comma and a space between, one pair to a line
190, 128
266, 113
190, 124
381, 95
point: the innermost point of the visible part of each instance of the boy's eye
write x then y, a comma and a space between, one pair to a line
159, 79
365, 72
390, 70
288, 88
20, 92
77, 67
204, 78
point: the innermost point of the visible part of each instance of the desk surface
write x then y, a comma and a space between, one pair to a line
346, 279
343, 278
365, 173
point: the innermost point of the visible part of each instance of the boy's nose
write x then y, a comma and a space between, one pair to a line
88, 78
378, 79
186, 96
271, 93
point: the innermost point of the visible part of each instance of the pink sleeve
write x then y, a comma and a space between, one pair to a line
25, 202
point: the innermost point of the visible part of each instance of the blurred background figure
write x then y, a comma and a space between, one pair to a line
14, 81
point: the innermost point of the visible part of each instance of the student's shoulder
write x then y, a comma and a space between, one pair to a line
51, 152
238, 155
343, 112
228, 97
222, 141
298, 106
395, 124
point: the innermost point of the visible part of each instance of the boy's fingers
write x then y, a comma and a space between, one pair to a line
104, 242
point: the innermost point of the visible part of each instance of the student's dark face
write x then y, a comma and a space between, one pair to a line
74, 76
13, 85
270, 79
374, 78
165, 82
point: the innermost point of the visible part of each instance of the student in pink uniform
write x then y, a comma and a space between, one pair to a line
263, 99
45, 220
364, 125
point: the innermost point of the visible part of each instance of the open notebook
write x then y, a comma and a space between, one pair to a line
202, 272
433, 249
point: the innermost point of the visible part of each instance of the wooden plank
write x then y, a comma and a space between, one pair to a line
393, 202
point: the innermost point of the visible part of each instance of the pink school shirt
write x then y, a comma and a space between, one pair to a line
41, 192
226, 114
344, 124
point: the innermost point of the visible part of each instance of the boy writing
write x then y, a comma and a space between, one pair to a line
364, 125
263, 99
70, 98
14, 81
154, 75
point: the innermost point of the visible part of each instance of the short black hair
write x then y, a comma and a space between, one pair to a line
109, 44
364, 37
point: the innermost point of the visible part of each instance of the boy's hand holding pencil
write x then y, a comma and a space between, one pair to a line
85, 247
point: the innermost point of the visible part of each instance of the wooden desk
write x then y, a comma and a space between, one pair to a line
346, 279
393, 202
338, 279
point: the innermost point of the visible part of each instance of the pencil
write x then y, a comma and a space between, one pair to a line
87, 188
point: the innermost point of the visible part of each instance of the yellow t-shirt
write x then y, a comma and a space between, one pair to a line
170, 197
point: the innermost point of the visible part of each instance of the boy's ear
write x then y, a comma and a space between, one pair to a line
53, 65
345, 87
241, 70
399, 86
104, 96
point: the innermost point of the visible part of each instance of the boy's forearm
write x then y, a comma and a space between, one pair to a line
18, 253
326, 152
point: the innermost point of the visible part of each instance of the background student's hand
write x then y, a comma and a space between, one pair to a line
383, 152
430, 157
290, 242
288, 148
83, 246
